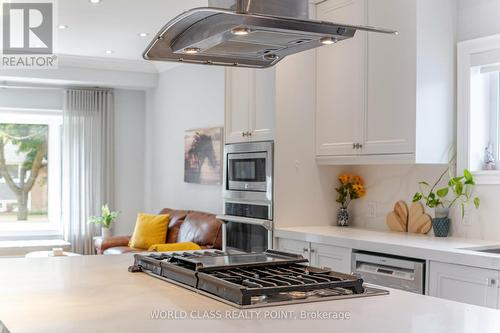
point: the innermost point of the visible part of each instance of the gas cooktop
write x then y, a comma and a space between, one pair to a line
249, 280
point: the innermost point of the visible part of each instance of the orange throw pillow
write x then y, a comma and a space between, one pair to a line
149, 230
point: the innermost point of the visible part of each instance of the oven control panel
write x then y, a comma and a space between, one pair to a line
247, 210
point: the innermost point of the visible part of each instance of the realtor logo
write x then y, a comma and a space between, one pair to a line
27, 28
28, 35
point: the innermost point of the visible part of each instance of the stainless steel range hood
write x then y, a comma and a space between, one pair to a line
246, 33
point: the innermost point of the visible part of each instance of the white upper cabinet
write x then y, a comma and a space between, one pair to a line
389, 123
250, 104
238, 82
385, 98
340, 83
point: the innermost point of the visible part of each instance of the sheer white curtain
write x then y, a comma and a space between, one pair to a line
88, 162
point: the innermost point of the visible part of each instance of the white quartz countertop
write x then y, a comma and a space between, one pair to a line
97, 294
448, 249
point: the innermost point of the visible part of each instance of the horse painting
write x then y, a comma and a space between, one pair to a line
202, 156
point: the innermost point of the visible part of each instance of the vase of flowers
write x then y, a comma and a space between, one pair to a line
106, 220
458, 191
351, 188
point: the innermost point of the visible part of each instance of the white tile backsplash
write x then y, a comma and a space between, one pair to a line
388, 184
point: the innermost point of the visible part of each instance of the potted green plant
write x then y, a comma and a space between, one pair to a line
106, 220
459, 191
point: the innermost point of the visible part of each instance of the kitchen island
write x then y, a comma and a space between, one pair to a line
98, 294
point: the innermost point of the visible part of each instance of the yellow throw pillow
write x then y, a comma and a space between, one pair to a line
172, 247
149, 230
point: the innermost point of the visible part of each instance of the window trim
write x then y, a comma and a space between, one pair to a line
465, 51
53, 228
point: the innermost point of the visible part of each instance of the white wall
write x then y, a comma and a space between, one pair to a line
304, 192
187, 97
130, 112
31, 98
478, 18
130, 108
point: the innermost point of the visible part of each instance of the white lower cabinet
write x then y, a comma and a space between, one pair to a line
319, 255
332, 257
464, 284
293, 246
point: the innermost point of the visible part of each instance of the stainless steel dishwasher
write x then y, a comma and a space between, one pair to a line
390, 271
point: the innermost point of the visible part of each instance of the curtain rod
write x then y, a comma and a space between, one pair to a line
42, 87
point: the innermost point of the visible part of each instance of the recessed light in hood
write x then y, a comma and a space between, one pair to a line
241, 31
246, 33
328, 40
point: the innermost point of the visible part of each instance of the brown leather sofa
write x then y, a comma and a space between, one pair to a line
201, 228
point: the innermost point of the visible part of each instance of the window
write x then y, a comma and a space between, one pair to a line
30, 173
484, 138
478, 106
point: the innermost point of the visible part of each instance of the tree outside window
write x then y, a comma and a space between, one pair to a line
23, 171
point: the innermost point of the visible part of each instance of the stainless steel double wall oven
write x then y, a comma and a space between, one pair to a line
248, 196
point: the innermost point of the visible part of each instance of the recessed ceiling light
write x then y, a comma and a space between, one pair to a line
241, 31
328, 40
192, 50
143, 34
95, 1
109, 51
62, 26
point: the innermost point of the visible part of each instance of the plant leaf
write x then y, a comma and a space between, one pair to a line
468, 176
417, 197
442, 192
424, 183
459, 189
477, 202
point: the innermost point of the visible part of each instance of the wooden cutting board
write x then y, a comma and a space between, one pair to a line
418, 221
397, 220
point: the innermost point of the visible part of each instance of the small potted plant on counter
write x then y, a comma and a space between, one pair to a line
459, 191
351, 187
106, 220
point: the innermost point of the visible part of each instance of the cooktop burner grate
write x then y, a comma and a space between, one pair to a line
249, 279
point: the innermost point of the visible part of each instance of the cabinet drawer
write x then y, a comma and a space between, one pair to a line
294, 246
332, 257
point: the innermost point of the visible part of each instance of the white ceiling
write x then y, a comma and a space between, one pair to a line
113, 25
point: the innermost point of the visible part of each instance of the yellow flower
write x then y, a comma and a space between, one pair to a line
358, 180
357, 187
345, 178
361, 193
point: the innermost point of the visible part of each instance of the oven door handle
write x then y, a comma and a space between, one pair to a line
246, 220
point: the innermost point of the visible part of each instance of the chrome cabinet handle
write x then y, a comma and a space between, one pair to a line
244, 133
492, 282
357, 146
313, 250
305, 250
249, 133
354, 145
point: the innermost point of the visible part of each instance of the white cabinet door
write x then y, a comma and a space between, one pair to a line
294, 246
250, 104
262, 112
464, 284
238, 103
341, 83
331, 257
390, 122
